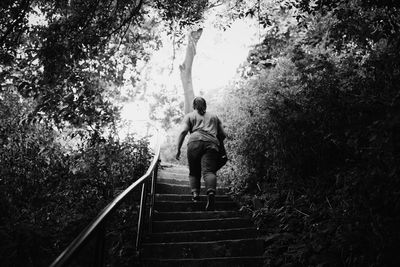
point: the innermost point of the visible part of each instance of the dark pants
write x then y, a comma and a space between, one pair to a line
202, 158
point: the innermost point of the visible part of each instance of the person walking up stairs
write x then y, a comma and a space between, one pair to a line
185, 234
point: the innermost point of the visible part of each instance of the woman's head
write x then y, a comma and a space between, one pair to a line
200, 105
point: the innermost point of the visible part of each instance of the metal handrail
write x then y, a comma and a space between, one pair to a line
98, 224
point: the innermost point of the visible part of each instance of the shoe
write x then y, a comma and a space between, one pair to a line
195, 197
210, 202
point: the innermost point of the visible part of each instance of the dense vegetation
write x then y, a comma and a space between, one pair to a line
313, 122
51, 191
314, 135
62, 67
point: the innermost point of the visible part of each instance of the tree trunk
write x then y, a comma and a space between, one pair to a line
186, 69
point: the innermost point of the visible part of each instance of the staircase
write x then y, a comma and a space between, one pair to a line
184, 234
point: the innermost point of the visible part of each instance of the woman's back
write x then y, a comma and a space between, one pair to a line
203, 127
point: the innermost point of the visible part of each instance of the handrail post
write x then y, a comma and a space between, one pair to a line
152, 195
141, 217
100, 247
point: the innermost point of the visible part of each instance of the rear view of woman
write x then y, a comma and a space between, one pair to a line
206, 136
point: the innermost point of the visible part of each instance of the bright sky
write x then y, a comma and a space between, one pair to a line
219, 54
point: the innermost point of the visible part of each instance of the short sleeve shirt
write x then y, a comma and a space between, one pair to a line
203, 127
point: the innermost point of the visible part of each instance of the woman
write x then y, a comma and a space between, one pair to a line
206, 137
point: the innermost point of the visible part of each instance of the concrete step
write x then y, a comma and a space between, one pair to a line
194, 215
203, 235
165, 168
203, 224
196, 250
252, 261
161, 206
182, 174
166, 188
178, 180
188, 197
175, 180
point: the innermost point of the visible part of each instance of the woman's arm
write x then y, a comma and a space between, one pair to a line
182, 135
180, 142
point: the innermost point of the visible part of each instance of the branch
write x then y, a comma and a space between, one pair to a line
215, 4
299, 211
128, 20
123, 36
173, 48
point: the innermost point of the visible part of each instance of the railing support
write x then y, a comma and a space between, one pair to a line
141, 217
153, 195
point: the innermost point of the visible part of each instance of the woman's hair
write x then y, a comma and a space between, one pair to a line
200, 105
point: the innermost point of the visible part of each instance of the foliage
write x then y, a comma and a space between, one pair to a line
50, 193
71, 57
183, 13
169, 146
314, 139
313, 125
166, 109
62, 65
59, 61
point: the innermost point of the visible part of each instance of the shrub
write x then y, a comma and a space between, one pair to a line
315, 154
49, 194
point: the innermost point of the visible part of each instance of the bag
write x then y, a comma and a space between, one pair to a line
222, 157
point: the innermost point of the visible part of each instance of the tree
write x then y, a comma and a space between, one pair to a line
69, 63
186, 68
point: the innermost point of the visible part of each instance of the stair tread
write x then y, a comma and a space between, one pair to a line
184, 185
185, 215
211, 258
203, 220
242, 261
207, 231
203, 235
203, 242
188, 195
183, 194
214, 212
183, 205
201, 224
198, 212
188, 202
206, 249
184, 189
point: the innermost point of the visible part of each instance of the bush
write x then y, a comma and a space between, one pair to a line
315, 154
49, 193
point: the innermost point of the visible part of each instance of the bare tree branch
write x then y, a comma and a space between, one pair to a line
215, 4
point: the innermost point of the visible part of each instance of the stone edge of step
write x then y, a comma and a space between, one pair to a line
207, 231
205, 242
203, 220
186, 186
214, 212
204, 259
188, 195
